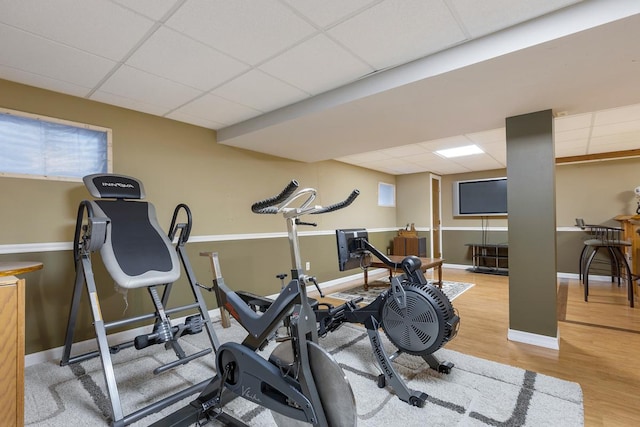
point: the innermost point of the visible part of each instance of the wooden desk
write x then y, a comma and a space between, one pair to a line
427, 263
12, 339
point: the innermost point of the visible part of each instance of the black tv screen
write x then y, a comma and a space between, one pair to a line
480, 197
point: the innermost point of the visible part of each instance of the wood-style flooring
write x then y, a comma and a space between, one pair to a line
599, 341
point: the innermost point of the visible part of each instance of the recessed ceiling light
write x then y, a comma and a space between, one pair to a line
467, 150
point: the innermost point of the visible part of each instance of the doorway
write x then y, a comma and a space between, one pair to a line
436, 213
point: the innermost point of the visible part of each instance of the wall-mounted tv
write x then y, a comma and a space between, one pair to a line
480, 197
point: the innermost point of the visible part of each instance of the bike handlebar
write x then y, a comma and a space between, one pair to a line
268, 206
339, 205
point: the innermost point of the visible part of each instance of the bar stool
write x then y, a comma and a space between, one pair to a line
608, 239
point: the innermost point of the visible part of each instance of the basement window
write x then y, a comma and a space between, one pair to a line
386, 194
40, 147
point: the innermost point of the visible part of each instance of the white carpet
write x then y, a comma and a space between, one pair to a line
476, 393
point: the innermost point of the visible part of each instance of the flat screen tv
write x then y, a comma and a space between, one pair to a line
350, 253
480, 197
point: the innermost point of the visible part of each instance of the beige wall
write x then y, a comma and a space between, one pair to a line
178, 163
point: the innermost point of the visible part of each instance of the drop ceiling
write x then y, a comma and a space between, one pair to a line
380, 84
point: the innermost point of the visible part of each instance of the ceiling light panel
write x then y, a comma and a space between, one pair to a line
466, 150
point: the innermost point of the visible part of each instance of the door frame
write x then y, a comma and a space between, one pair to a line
435, 228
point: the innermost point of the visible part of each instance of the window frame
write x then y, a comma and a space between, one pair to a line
41, 117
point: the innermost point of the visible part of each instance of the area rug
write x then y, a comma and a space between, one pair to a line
451, 290
477, 392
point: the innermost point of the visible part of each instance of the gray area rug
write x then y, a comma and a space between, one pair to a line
476, 393
450, 289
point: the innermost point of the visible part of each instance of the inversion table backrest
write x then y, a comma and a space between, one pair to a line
136, 252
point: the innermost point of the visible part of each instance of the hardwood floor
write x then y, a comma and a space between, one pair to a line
599, 341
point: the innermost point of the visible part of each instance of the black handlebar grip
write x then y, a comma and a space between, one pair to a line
267, 206
340, 205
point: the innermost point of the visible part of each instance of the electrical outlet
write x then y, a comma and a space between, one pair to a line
308, 266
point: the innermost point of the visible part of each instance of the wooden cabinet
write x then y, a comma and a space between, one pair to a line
410, 246
12, 350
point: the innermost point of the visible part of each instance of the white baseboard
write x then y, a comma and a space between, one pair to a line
535, 339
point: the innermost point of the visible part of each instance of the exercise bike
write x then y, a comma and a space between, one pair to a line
416, 316
299, 379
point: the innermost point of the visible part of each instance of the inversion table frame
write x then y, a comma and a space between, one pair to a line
135, 255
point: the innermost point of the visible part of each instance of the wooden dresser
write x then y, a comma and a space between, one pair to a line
12, 341
12, 350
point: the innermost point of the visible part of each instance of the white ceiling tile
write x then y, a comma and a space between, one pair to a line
404, 151
478, 162
316, 65
577, 121
443, 143
43, 82
619, 144
191, 63
129, 82
97, 26
616, 128
488, 136
617, 115
447, 168
248, 30
630, 138
392, 164
581, 143
398, 31
131, 104
568, 135
326, 12
484, 17
50, 59
154, 9
224, 111
198, 121
409, 167
576, 147
259, 91
369, 156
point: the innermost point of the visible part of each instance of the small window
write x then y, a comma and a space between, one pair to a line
386, 194
41, 147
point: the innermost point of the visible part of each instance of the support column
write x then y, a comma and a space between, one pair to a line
532, 229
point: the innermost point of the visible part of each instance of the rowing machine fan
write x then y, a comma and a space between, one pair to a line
426, 324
